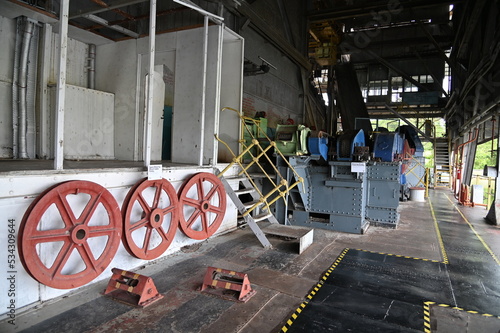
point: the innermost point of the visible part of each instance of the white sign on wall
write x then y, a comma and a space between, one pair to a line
358, 167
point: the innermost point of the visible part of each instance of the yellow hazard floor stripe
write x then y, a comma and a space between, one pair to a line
397, 255
440, 238
475, 232
313, 292
427, 313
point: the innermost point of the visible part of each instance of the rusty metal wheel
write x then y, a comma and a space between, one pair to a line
70, 234
150, 218
202, 205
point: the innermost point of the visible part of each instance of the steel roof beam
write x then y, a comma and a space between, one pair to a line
367, 10
119, 4
106, 24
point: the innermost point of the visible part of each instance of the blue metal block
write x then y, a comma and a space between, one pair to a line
387, 146
319, 146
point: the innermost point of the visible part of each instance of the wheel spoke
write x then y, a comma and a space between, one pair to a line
156, 200
90, 208
199, 185
193, 218
192, 202
169, 210
138, 225
104, 230
216, 210
143, 203
50, 236
204, 222
62, 258
211, 193
147, 238
87, 256
65, 210
163, 234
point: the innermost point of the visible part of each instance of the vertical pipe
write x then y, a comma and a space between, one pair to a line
204, 91
137, 106
44, 122
91, 66
220, 51
22, 86
149, 108
61, 85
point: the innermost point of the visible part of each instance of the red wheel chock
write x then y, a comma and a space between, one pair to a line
131, 288
219, 282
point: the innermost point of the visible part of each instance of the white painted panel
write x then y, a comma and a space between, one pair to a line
231, 95
116, 66
76, 64
88, 124
187, 97
157, 122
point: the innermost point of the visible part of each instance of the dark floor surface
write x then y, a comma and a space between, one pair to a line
430, 274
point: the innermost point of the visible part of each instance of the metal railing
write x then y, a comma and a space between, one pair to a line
280, 184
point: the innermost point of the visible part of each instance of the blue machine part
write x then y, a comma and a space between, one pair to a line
402, 179
387, 145
319, 146
346, 143
413, 140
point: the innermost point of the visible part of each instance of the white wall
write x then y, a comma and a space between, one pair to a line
17, 192
121, 68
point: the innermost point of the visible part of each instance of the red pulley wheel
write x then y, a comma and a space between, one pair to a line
202, 205
150, 218
70, 234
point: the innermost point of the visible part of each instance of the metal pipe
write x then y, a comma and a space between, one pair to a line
220, 47
91, 66
23, 80
204, 91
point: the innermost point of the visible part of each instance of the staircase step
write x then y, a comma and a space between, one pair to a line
251, 204
262, 217
261, 175
245, 191
236, 178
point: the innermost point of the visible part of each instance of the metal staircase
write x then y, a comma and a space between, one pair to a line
259, 213
442, 170
259, 207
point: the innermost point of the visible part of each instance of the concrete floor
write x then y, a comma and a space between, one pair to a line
282, 279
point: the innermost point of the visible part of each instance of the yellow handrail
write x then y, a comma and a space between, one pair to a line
280, 186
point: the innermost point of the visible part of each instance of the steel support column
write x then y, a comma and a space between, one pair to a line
149, 107
61, 86
204, 90
494, 212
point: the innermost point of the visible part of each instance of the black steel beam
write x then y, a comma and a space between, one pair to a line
265, 30
375, 6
